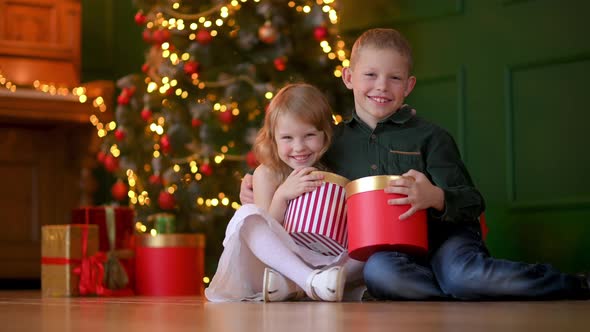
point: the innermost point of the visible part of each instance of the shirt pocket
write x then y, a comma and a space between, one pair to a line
401, 161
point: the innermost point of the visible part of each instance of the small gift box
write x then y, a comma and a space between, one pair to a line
110, 220
63, 248
317, 219
116, 227
163, 223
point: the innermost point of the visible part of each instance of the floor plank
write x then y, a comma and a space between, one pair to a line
28, 311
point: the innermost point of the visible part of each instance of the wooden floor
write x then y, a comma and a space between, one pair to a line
28, 311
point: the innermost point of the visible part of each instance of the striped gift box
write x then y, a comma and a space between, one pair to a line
317, 220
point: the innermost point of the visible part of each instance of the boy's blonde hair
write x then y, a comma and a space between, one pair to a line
307, 104
380, 38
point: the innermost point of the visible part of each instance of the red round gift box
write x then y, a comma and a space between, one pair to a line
374, 226
170, 264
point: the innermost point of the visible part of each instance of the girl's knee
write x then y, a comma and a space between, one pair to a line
250, 225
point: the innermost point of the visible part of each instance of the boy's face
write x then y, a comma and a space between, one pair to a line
380, 80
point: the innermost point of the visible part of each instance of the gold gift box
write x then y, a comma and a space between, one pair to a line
61, 253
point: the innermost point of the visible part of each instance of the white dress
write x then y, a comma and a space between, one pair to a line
239, 273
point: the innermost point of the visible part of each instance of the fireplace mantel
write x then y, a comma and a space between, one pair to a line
47, 143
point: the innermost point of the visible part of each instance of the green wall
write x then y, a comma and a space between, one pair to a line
508, 79
112, 46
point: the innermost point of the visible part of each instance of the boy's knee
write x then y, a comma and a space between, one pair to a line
381, 277
461, 284
377, 265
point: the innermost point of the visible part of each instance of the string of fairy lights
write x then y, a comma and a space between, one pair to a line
212, 19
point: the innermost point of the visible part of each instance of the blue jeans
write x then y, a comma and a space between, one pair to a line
461, 268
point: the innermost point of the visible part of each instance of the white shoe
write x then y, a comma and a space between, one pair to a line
326, 285
276, 287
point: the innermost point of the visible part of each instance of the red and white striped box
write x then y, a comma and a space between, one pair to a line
317, 220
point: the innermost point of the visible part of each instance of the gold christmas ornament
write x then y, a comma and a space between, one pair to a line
267, 33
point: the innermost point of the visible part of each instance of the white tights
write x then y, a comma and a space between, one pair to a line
267, 246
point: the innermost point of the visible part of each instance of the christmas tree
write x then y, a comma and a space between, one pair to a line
183, 129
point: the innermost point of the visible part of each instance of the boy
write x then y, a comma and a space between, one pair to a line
385, 137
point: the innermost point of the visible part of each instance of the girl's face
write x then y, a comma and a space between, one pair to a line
299, 144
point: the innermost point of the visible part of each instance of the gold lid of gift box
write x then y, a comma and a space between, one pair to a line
333, 178
370, 183
171, 240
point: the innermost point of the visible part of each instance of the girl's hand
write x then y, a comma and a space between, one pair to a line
246, 190
420, 193
299, 182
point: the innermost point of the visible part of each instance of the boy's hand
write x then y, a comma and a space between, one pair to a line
421, 194
299, 182
246, 190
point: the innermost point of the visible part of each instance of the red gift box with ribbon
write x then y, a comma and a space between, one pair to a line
70, 263
116, 228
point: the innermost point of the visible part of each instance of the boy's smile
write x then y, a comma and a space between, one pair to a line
380, 82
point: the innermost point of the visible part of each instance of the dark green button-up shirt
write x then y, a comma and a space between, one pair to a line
402, 142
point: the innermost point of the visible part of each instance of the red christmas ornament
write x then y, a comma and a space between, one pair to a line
165, 143
123, 99
320, 33
120, 135
280, 63
267, 33
119, 190
206, 169
140, 19
145, 67
166, 200
146, 114
147, 36
226, 117
251, 160
161, 36
130, 91
155, 179
203, 37
191, 67
196, 122
111, 163
100, 156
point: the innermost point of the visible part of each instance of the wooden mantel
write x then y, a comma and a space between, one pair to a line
36, 106
47, 144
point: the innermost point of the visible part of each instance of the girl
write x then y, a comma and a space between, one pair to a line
260, 259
